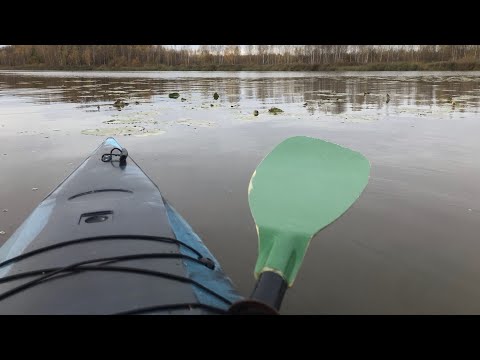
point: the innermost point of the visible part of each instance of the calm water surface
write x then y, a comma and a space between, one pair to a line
410, 244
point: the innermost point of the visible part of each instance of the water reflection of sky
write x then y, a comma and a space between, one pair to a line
417, 94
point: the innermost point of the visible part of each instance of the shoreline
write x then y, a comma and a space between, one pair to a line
438, 66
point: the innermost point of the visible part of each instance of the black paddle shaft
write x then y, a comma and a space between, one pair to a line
270, 289
266, 297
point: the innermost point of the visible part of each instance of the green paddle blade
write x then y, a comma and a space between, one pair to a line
303, 185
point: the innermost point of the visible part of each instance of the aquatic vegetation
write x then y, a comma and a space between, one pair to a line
193, 123
275, 110
151, 133
119, 103
357, 118
125, 131
123, 121
174, 95
216, 96
438, 111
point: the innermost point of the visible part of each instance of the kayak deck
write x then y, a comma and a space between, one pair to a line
105, 241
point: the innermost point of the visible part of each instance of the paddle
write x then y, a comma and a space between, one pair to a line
303, 185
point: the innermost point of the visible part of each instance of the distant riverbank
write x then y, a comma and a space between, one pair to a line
396, 66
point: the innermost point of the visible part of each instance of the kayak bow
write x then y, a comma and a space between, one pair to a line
105, 241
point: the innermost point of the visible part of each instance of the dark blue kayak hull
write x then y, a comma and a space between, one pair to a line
136, 253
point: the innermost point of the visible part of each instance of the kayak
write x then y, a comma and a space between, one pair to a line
106, 241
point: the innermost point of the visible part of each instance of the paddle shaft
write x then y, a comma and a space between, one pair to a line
266, 297
270, 289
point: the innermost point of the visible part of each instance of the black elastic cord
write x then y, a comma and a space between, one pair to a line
26, 274
108, 157
108, 260
74, 268
99, 238
171, 307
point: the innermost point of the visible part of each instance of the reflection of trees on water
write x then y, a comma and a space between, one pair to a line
323, 94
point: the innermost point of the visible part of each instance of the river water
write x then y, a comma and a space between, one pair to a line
409, 245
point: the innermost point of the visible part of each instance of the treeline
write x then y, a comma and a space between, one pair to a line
242, 57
